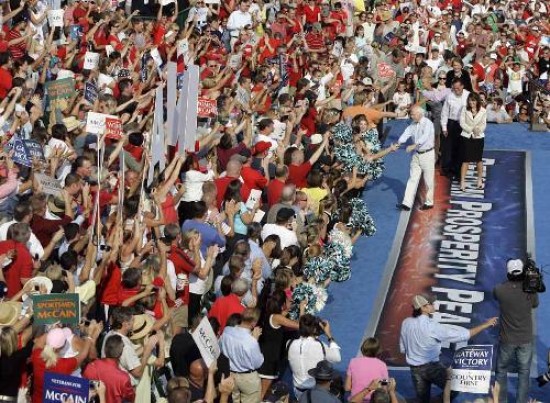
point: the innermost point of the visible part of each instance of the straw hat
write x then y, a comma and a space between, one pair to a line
38, 281
56, 205
9, 312
71, 123
142, 326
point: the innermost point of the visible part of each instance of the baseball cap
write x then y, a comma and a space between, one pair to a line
367, 81
421, 300
261, 146
56, 338
493, 56
514, 266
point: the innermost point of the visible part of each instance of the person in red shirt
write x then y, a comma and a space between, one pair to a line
275, 187
233, 171
46, 356
315, 40
42, 227
17, 264
5, 74
185, 260
107, 370
229, 304
18, 40
298, 169
252, 177
311, 12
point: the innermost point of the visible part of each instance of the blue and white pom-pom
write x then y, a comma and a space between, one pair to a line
375, 168
342, 132
360, 217
347, 155
303, 291
341, 266
318, 268
342, 239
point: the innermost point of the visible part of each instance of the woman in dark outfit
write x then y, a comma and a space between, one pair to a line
12, 360
273, 339
459, 72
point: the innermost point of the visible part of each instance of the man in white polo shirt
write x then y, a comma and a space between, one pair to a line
238, 19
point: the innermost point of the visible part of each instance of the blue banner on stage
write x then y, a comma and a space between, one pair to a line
457, 251
59, 388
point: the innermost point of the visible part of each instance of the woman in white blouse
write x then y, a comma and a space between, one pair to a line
473, 121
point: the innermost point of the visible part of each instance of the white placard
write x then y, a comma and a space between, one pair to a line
91, 60
212, 2
183, 47
258, 216
104, 81
255, 195
156, 57
55, 18
206, 341
50, 186
166, 2
95, 122
471, 369
62, 73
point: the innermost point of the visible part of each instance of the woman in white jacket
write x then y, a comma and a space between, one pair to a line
473, 121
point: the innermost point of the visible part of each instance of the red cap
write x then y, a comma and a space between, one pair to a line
261, 147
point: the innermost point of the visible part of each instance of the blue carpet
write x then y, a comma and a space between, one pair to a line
350, 303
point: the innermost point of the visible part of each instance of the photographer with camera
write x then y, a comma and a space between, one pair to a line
307, 351
515, 350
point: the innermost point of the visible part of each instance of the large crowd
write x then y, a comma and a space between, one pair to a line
250, 227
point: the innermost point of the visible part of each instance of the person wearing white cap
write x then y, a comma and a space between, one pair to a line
516, 331
421, 339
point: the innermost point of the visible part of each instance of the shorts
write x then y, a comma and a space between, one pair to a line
180, 316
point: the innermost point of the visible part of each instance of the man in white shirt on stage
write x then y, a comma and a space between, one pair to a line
421, 132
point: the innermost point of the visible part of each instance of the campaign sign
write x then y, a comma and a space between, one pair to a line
75, 32
49, 185
55, 18
56, 308
34, 150
96, 122
60, 388
206, 341
183, 47
113, 128
91, 60
207, 108
60, 89
20, 153
124, 73
471, 370
90, 92
385, 70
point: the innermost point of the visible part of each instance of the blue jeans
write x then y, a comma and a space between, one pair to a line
510, 356
424, 376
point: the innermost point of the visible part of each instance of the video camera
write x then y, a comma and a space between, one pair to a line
533, 281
